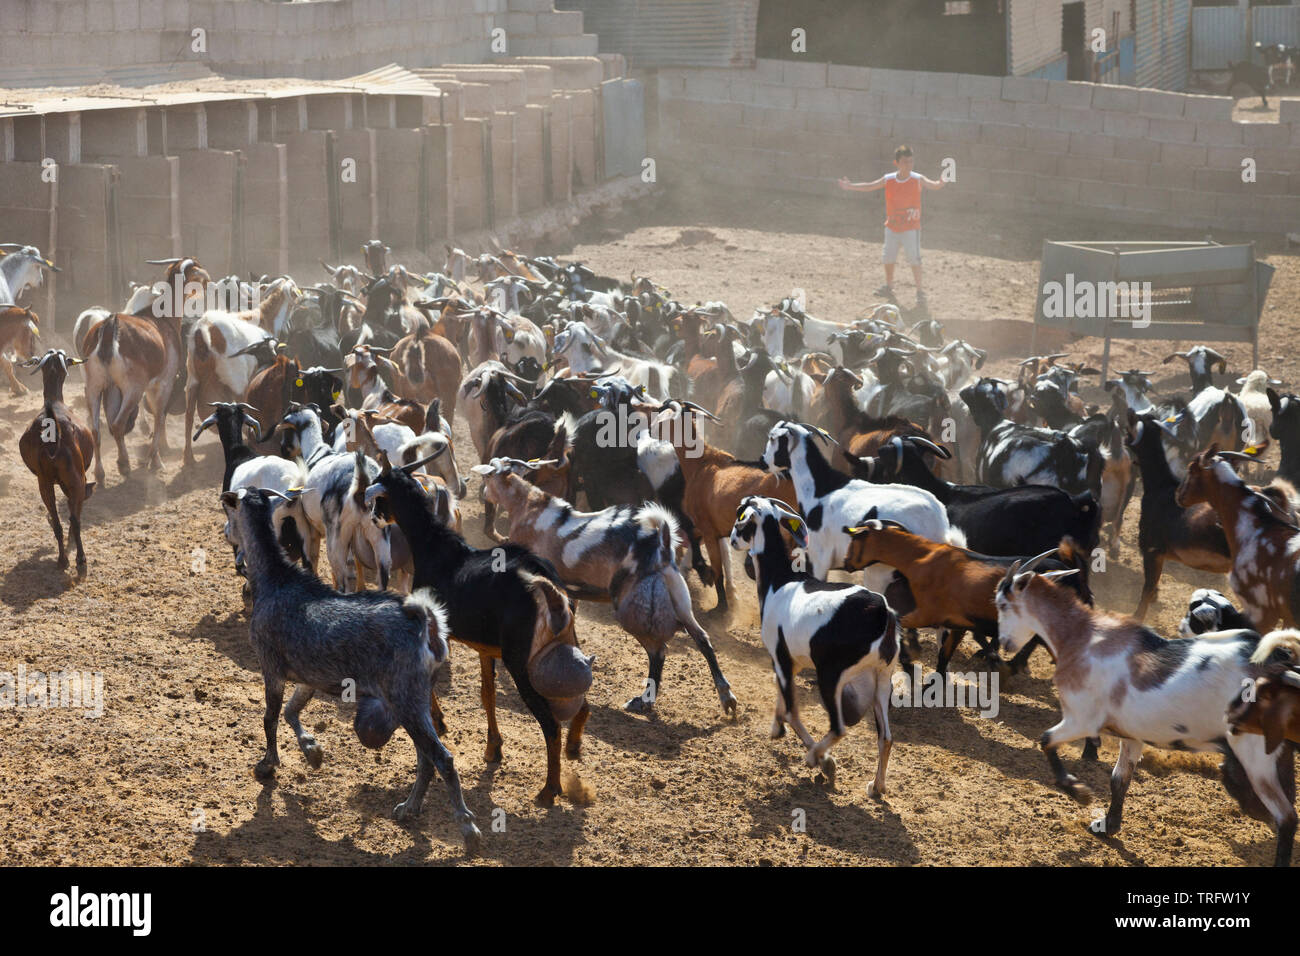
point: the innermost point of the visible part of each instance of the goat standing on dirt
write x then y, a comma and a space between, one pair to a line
57, 448
1116, 677
306, 632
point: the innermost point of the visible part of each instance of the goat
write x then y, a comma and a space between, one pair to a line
486, 395
425, 366
847, 633
1115, 676
1166, 529
1285, 427
22, 267
19, 328
938, 585
1265, 548
1200, 360
998, 521
56, 448
1253, 397
387, 646
505, 603
220, 364
715, 484
584, 352
1012, 454
1269, 706
1209, 611
624, 554
831, 501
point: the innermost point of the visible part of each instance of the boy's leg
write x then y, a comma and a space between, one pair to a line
889, 257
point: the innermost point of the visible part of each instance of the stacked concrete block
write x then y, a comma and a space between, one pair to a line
266, 207
309, 212
356, 167
529, 165
148, 205
207, 196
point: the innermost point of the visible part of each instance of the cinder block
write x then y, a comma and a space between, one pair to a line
1165, 130
1266, 134
1070, 94
1226, 157
947, 107
1080, 167
1038, 114
1160, 103
1289, 112
1123, 172
1080, 120
979, 87
1182, 154
1092, 144
993, 111
1175, 177
902, 105
1148, 198
1047, 140
1137, 148
957, 131
1054, 189
1213, 133
803, 73
1024, 89
819, 99
858, 102
1033, 161
768, 95
705, 84
915, 130
1124, 125
1215, 108
1217, 180
1101, 194
1123, 99
768, 71
1002, 134
936, 84
892, 81
849, 77
99, 17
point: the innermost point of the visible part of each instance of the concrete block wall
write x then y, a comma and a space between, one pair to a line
318, 39
266, 205
149, 187
1134, 155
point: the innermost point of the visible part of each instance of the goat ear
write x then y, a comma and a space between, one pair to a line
231, 498
1273, 720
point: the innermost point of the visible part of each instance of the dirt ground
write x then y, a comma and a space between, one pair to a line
164, 776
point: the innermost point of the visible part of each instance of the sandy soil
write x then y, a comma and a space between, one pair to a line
165, 775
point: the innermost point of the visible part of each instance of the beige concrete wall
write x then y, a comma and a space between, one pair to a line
1131, 155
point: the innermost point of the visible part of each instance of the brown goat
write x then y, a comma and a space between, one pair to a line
57, 448
18, 331
425, 366
716, 483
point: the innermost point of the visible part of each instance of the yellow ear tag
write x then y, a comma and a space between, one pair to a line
336, 393
1252, 450
298, 383
793, 524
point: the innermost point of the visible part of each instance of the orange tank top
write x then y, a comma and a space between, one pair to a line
903, 203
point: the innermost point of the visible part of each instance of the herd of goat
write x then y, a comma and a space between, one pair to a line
970, 504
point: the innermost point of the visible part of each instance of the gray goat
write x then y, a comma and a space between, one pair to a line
308, 633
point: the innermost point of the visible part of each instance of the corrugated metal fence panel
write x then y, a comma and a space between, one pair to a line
1276, 25
1163, 43
1127, 60
624, 115
1035, 36
1058, 69
654, 33
1218, 37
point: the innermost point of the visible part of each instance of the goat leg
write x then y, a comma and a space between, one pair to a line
644, 702
681, 599
884, 738
1051, 740
306, 742
716, 561
265, 768
432, 753
74, 536
52, 510
1153, 563
435, 714
573, 749
1130, 752
488, 696
15, 387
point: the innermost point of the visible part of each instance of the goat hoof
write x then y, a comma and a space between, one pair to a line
706, 574
265, 769
1078, 791
492, 754
62, 562
473, 838
638, 705
314, 753
777, 731
546, 798
404, 811
874, 792
828, 768
729, 702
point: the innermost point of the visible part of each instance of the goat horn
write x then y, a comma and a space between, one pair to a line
424, 461
1037, 559
164, 262
938, 449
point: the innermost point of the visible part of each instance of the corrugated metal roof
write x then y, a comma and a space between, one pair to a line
672, 32
198, 86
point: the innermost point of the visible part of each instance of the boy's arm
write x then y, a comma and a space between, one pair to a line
928, 183
862, 187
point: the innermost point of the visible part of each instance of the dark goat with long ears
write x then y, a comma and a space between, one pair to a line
506, 603
57, 449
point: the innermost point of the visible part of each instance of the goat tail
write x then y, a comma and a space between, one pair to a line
1279, 647
1073, 554
1240, 788
107, 339
201, 349
553, 608
423, 605
656, 519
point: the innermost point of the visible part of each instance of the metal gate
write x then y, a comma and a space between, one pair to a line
1276, 25
1164, 31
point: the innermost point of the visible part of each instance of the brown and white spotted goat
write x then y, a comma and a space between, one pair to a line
623, 554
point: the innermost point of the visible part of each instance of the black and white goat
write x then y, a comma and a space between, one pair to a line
845, 632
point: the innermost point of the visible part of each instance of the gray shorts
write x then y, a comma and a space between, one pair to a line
909, 242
